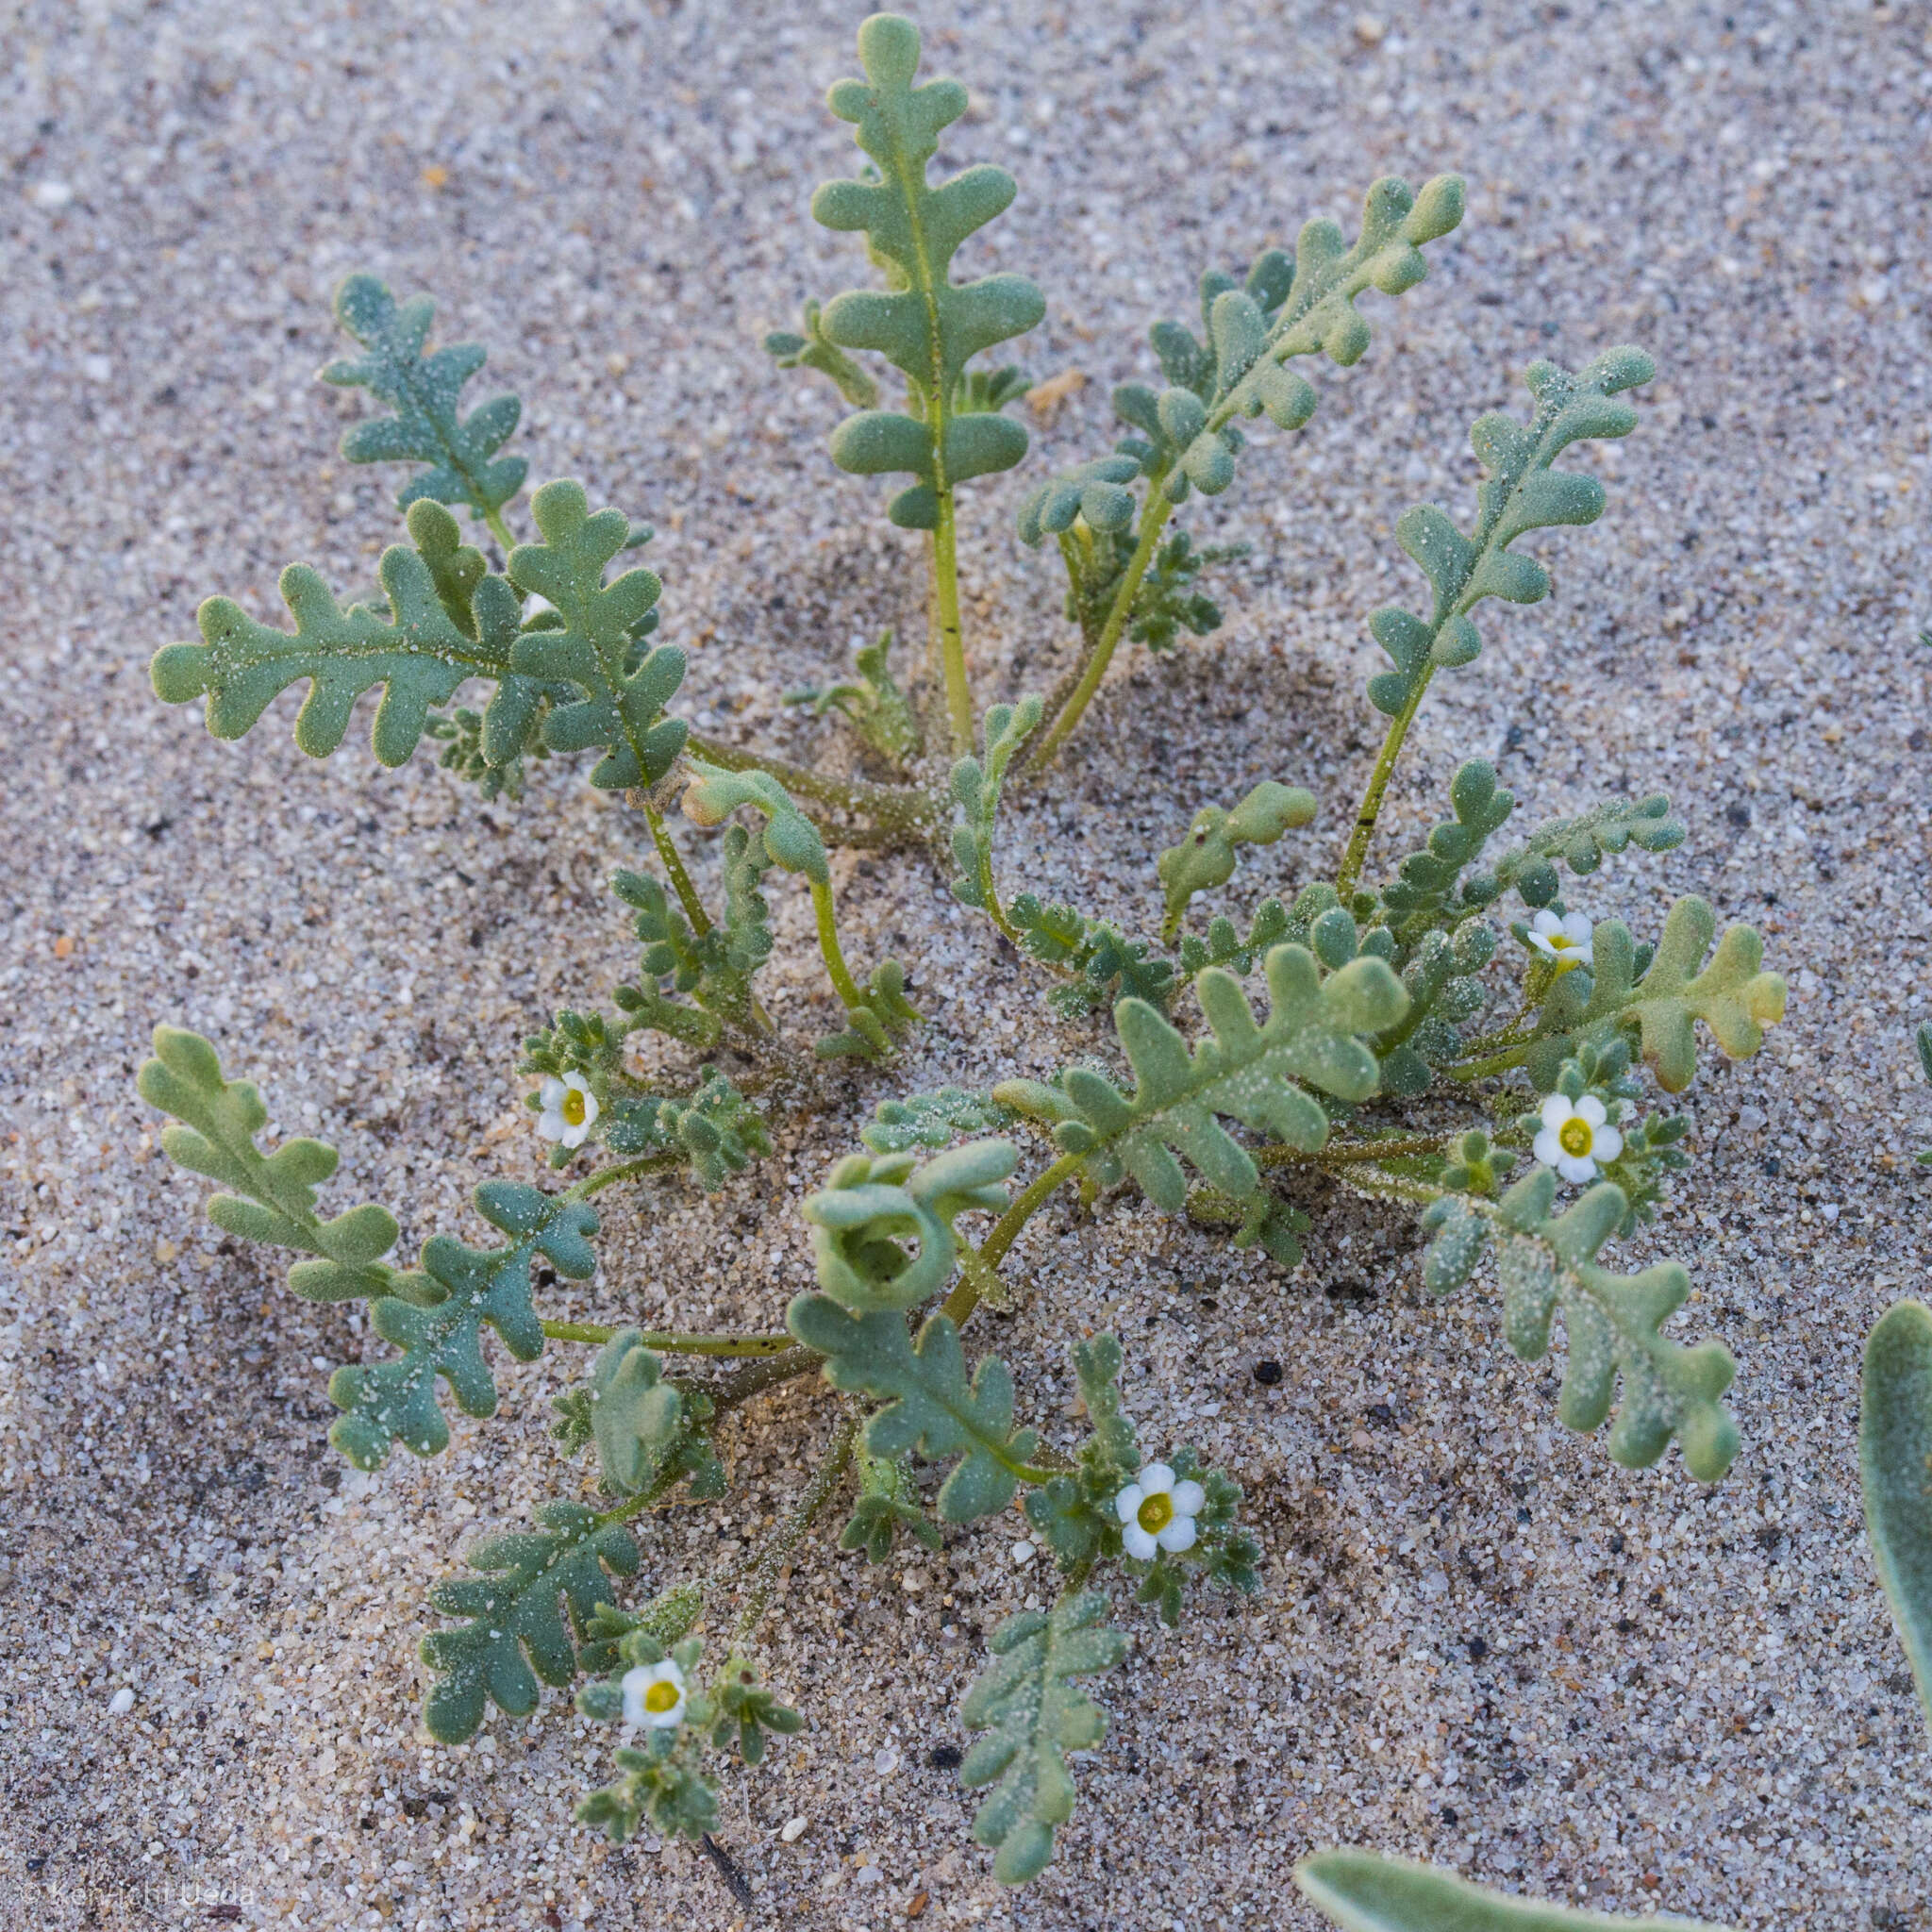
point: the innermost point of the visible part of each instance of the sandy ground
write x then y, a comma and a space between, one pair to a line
1478, 1639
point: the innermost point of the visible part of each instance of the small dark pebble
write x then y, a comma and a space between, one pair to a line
945, 1756
1449, 1815
1478, 1649
1617, 1543
1267, 1374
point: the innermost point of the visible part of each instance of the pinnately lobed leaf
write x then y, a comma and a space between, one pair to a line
460, 451
1363, 1892
1895, 1468
1033, 1714
924, 323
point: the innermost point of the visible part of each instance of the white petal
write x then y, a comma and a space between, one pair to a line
1177, 1536
552, 1092
1127, 1504
590, 1109
1577, 1167
1591, 1109
634, 1684
576, 1083
1577, 929
1543, 945
1555, 1111
550, 1123
1608, 1145
1139, 1543
1547, 1148
1157, 1479
573, 1137
1189, 1499
1546, 925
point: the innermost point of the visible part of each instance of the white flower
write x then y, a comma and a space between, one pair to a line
1157, 1513
653, 1695
1575, 1138
569, 1109
1567, 941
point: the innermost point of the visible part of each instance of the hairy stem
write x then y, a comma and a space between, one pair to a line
1153, 521
674, 1343
901, 810
767, 1563
622, 1170
673, 865
500, 530
757, 1377
964, 1298
1495, 1063
1396, 1148
1370, 807
952, 644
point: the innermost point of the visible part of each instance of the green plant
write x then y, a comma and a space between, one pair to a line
1325, 1016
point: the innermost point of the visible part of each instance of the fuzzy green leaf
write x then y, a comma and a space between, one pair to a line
623, 695
879, 709
1614, 1325
440, 1329
814, 349
274, 1194
977, 788
790, 840
931, 1408
1206, 857
460, 451
716, 967
1255, 1074
1895, 1466
1102, 961
1364, 1892
1521, 493
513, 1609
1034, 1714
1581, 844
924, 323
1730, 996
414, 648
872, 1203
887, 1504
932, 1119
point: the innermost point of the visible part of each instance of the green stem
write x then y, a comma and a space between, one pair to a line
772, 1555
828, 944
1398, 1147
1371, 809
757, 1377
1496, 1063
1153, 521
952, 643
500, 530
907, 810
622, 1170
674, 864
965, 1297
671, 1342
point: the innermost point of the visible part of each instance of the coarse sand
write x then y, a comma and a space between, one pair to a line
1478, 1641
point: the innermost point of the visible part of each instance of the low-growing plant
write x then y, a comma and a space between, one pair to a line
1448, 1032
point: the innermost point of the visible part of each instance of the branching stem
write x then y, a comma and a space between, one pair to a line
622, 1170
1153, 521
768, 1560
964, 1298
1370, 807
673, 865
952, 643
907, 811
675, 1343
1400, 1147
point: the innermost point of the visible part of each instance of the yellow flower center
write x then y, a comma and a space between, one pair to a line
572, 1110
660, 1697
1155, 1513
1562, 942
1575, 1136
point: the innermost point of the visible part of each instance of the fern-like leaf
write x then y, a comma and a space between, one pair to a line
624, 693
274, 1194
873, 702
439, 1328
1522, 492
814, 349
932, 1119
513, 1611
1034, 1714
1257, 1073
1206, 857
927, 325
425, 392
414, 648
1730, 994
932, 1407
